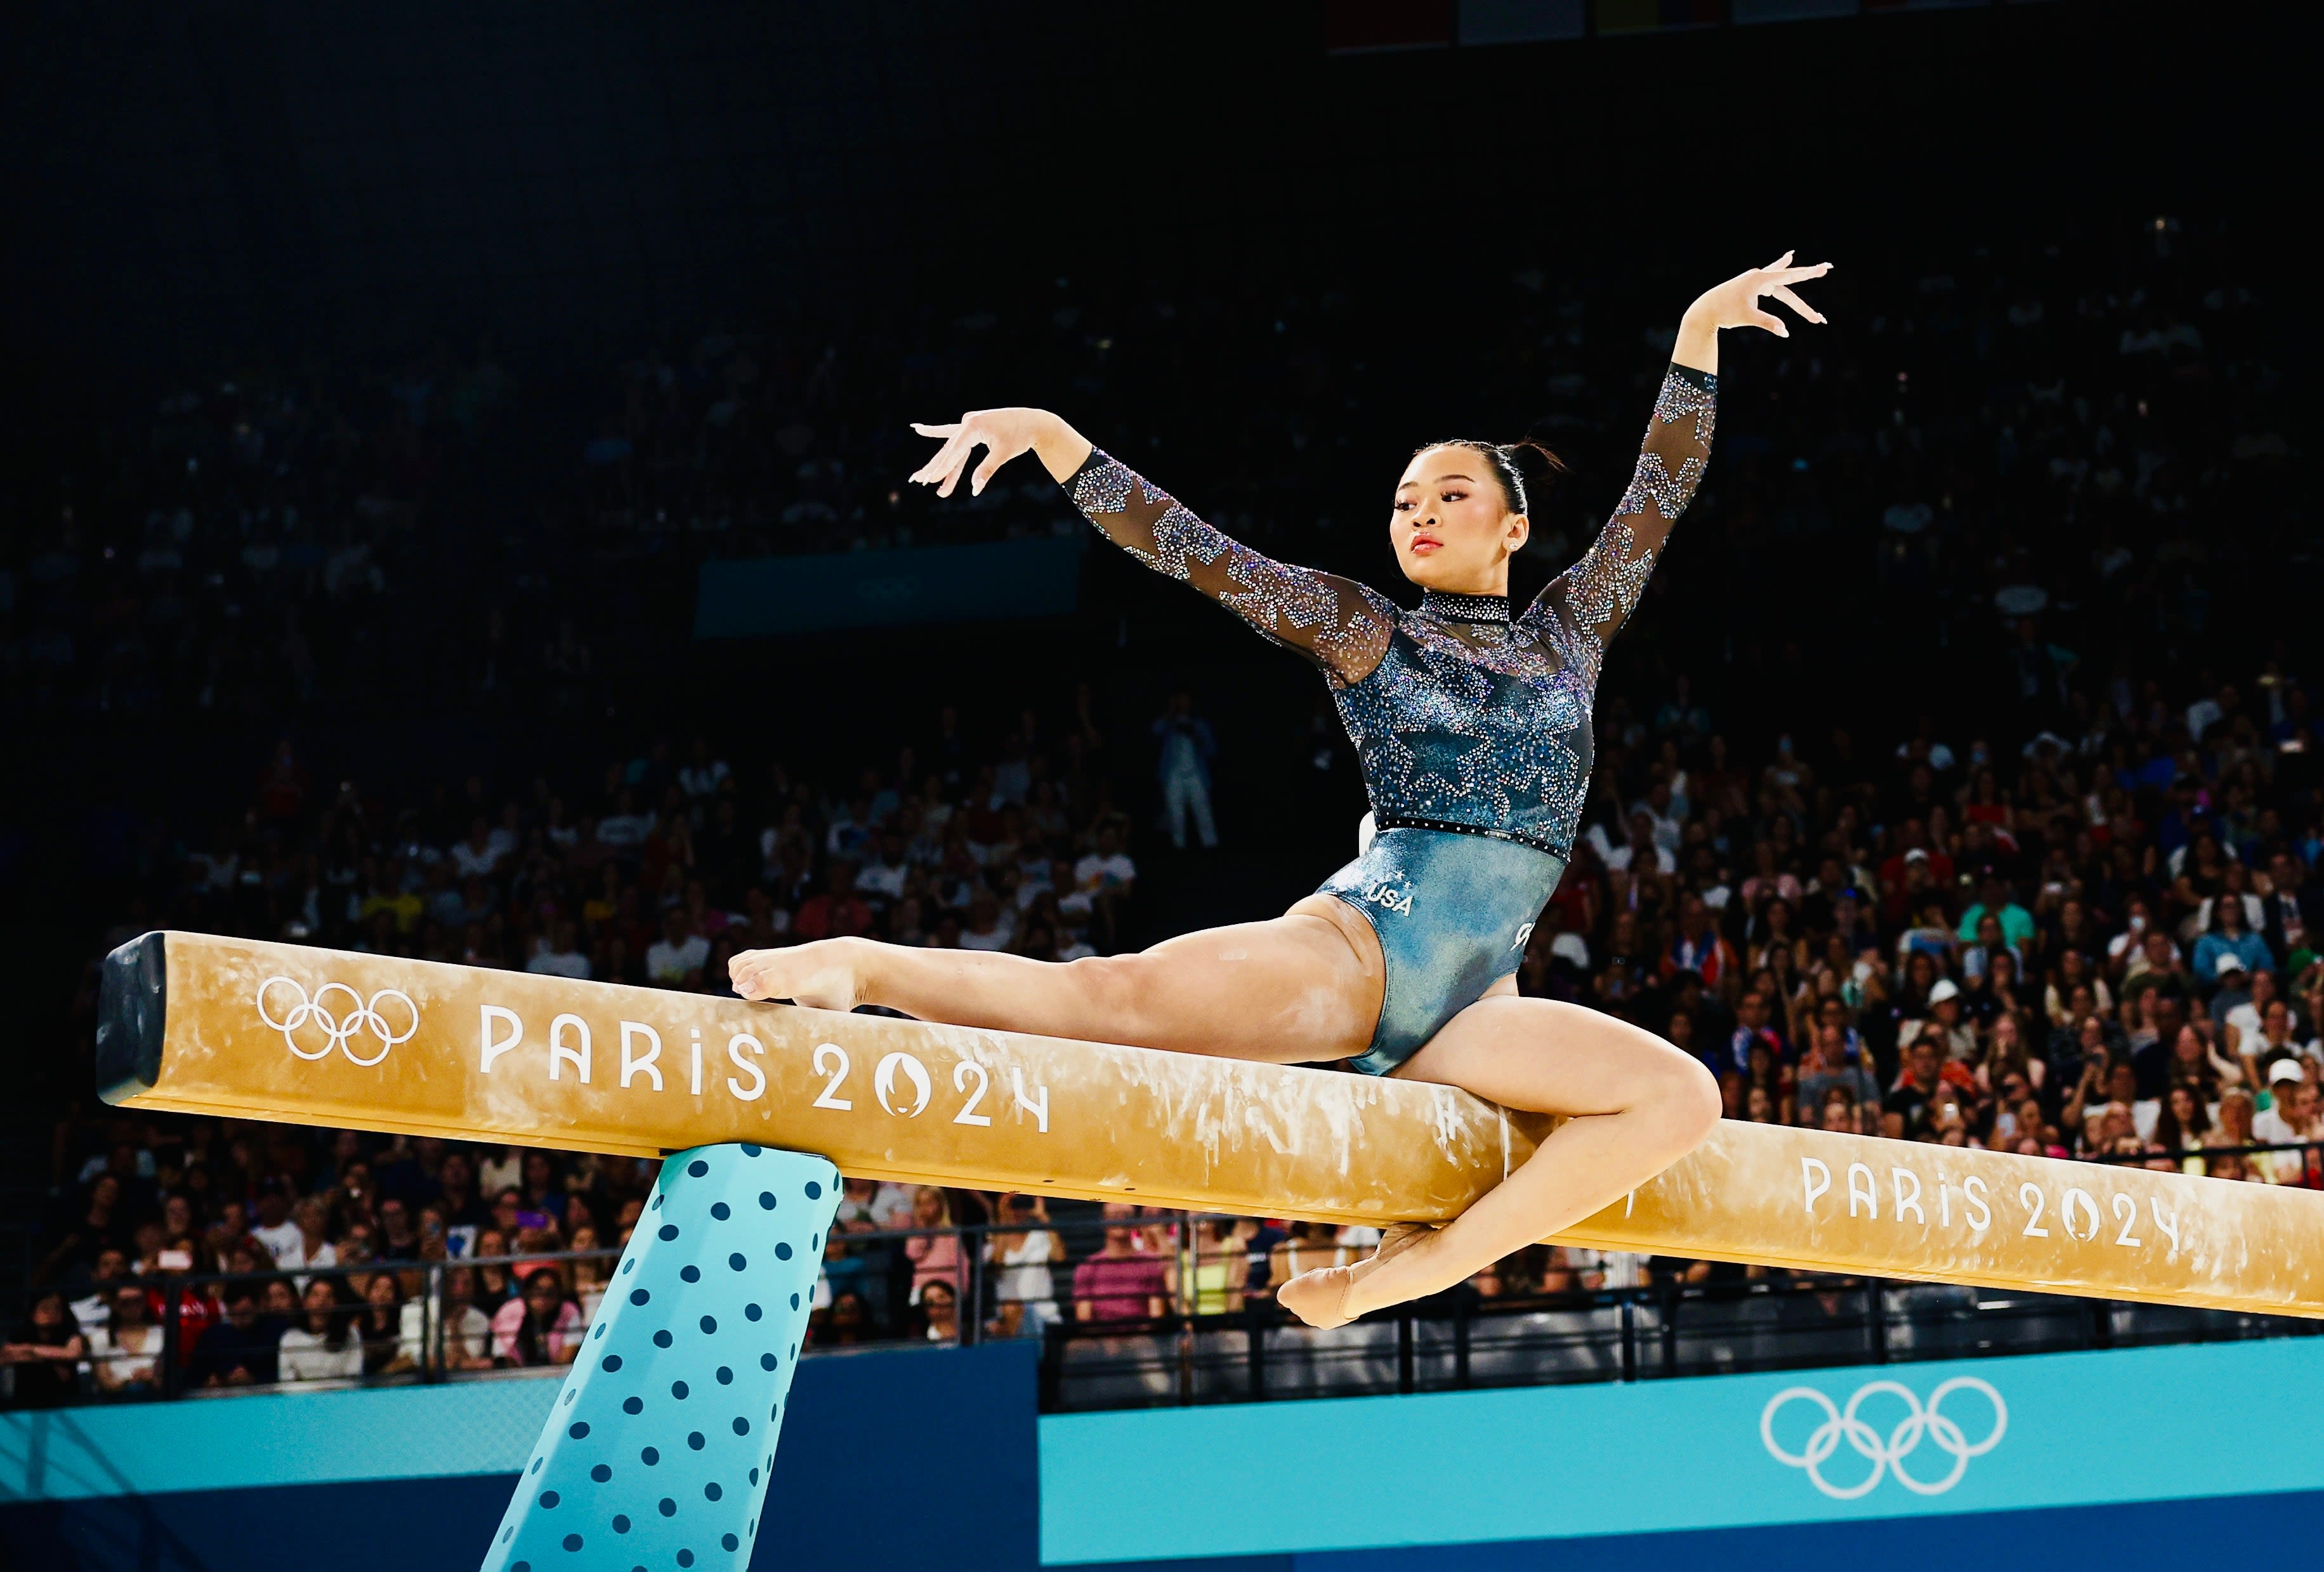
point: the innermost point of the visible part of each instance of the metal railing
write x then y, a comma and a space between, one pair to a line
1221, 1336
176, 1353
1464, 1341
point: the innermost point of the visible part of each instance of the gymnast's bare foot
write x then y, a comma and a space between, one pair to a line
1321, 1298
826, 975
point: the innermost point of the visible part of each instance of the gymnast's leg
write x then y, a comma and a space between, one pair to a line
1303, 987
1638, 1104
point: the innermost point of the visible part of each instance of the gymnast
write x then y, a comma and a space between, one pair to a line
1473, 725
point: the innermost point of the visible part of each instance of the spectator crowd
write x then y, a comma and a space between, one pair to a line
2056, 893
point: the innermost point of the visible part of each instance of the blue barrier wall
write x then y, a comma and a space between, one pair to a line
753, 597
885, 1457
928, 1460
1515, 1475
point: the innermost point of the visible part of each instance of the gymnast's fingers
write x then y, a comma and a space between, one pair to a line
1771, 322
1792, 275
1784, 294
1780, 262
926, 430
994, 458
946, 458
959, 468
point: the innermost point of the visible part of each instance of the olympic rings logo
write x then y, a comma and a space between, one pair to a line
1886, 1454
339, 1028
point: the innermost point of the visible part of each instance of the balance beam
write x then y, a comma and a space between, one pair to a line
194, 1023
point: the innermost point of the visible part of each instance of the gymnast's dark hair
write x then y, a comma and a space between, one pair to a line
1516, 467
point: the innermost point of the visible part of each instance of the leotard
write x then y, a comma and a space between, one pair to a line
1471, 725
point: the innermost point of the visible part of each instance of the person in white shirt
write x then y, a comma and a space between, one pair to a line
558, 955
678, 953
988, 926
882, 877
1668, 828
94, 1308
477, 856
1643, 849
704, 775
275, 1229
465, 1334
1108, 870
323, 1345
309, 1247
2124, 946
2246, 1021
891, 1206
625, 826
504, 1172
1024, 1290
125, 1352
2291, 1116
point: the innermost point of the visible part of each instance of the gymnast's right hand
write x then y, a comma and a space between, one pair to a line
827, 975
1003, 434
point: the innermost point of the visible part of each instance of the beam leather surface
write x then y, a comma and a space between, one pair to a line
247, 1029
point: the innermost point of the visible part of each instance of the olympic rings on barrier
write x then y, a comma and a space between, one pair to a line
338, 1030
1886, 1455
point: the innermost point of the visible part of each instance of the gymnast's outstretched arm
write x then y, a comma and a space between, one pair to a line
1341, 625
1591, 599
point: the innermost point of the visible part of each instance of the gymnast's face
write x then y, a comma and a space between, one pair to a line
1451, 526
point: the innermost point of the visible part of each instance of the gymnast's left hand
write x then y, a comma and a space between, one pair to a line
1003, 434
1736, 302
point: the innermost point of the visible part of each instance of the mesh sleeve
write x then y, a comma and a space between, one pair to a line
1596, 596
1341, 625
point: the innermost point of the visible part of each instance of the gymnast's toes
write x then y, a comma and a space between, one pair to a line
822, 975
1319, 1298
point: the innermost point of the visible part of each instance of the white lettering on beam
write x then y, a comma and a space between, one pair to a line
1869, 1193
1980, 1214
1815, 1179
734, 1047
1907, 1200
493, 1047
649, 1064
560, 1052
2166, 1221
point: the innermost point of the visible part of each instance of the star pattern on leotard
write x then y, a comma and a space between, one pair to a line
1652, 485
1343, 623
1492, 730
1680, 398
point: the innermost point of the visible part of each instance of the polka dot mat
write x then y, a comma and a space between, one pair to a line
655, 1456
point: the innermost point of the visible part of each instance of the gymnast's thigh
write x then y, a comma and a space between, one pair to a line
1295, 989
1552, 1056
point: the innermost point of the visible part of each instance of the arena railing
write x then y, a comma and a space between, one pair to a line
1223, 1337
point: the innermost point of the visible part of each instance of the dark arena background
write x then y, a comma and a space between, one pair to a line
452, 507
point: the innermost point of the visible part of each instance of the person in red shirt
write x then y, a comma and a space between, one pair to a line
1700, 948
1120, 1283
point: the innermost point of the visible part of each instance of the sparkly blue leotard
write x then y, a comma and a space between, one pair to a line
1472, 727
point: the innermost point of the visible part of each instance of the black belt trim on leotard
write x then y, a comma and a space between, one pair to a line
1407, 821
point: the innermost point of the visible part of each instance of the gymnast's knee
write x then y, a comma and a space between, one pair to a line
1691, 1103
1119, 986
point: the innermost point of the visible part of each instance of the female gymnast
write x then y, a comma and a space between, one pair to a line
1472, 725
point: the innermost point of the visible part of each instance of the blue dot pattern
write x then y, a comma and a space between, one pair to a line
656, 1451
